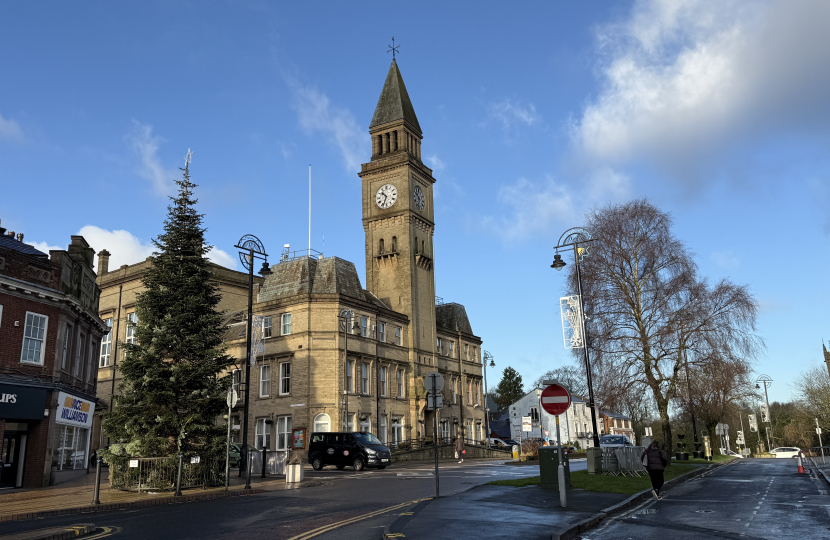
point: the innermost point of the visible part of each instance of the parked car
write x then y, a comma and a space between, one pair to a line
234, 453
510, 442
358, 450
496, 443
785, 452
614, 441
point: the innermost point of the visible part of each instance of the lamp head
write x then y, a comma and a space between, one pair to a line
492, 363
757, 386
265, 271
558, 263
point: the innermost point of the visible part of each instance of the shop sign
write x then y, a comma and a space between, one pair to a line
74, 411
22, 402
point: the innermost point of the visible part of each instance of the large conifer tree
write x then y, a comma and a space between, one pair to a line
171, 392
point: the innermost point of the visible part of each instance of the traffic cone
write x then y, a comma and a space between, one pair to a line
800, 465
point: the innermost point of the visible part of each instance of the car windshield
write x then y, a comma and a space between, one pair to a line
612, 439
367, 438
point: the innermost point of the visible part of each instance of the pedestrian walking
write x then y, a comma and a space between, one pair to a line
459, 449
655, 461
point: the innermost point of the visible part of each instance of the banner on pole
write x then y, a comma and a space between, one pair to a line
753, 423
571, 321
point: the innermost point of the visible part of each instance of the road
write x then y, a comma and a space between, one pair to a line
751, 498
330, 504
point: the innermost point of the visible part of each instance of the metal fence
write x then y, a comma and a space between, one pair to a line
625, 461
159, 474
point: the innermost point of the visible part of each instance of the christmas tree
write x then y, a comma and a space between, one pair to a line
171, 392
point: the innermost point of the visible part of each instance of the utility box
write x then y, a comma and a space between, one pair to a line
594, 460
549, 467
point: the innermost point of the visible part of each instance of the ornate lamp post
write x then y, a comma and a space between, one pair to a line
250, 248
767, 380
487, 357
579, 239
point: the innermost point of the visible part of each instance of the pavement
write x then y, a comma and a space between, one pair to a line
746, 499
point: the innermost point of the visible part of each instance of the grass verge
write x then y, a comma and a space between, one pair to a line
626, 485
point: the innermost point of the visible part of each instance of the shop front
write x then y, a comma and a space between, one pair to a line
70, 441
22, 411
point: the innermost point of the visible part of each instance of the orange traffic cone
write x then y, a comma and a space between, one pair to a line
800, 465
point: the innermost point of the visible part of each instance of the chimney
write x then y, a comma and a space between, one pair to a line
20, 237
10, 233
103, 262
2, 230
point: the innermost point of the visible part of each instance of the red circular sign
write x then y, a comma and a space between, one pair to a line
555, 399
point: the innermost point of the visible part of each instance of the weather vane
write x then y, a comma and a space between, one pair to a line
393, 49
188, 158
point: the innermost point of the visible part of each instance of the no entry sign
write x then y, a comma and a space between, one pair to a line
555, 399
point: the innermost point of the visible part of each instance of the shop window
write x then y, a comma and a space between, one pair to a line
70, 446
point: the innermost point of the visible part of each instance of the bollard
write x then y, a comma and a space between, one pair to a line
179, 478
800, 465
97, 492
263, 462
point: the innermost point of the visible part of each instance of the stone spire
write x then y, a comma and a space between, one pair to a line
394, 103
826, 357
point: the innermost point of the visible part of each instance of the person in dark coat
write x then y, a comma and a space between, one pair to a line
459, 448
656, 464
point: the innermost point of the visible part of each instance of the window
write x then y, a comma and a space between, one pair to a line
34, 339
349, 371
466, 352
382, 332
262, 438
78, 355
444, 430
266, 327
366, 424
285, 378
394, 244
479, 431
132, 321
382, 435
90, 360
67, 335
349, 425
264, 380
478, 392
451, 352
438, 345
235, 428
400, 383
469, 392
1, 314
364, 379
454, 390
383, 384
381, 246
475, 355
106, 344
283, 433
236, 378
364, 326
398, 338
70, 447
286, 324
322, 423
397, 429
468, 429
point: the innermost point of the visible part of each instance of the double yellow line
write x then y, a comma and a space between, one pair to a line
106, 531
326, 528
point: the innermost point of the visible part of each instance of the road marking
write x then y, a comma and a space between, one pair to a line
106, 531
326, 528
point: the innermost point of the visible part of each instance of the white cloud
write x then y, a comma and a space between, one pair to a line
44, 247
124, 247
533, 207
316, 114
683, 78
435, 163
607, 185
221, 258
510, 113
10, 130
147, 145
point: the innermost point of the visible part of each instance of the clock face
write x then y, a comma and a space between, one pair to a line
386, 196
418, 197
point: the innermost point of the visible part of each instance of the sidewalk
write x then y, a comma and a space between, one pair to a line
75, 497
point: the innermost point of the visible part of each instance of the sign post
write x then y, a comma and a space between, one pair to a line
435, 382
818, 431
231, 401
555, 400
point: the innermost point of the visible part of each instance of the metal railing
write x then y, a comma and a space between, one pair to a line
159, 474
625, 461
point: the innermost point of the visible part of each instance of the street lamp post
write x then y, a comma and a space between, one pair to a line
696, 452
486, 356
767, 380
250, 248
573, 238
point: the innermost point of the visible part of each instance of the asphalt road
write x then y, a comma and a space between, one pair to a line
330, 504
752, 498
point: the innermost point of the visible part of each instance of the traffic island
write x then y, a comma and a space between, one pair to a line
65, 532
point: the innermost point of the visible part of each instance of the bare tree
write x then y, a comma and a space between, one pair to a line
570, 376
645, 304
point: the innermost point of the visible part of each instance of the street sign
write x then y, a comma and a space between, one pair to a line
764, 414
526, 424
430, 401
438, 381
195, 459
555, 399
233, 397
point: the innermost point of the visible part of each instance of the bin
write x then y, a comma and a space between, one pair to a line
549, 467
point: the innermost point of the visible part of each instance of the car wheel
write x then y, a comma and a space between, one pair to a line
357, 464
317, 463
340, 467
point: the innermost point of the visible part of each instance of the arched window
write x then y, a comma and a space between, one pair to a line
381, 246
380, 144
322, 423
394, 244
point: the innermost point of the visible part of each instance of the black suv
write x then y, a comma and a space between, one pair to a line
340, 449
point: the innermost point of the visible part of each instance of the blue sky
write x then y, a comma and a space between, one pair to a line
532, 114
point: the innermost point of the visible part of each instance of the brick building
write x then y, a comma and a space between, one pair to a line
50, 335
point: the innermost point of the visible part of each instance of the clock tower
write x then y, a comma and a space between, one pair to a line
398, 216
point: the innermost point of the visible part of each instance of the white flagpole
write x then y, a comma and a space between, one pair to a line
309, 210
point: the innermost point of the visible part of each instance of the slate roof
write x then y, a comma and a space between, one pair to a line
452, 316
394, 103
9, 242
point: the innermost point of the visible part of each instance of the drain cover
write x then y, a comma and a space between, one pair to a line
648, 511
